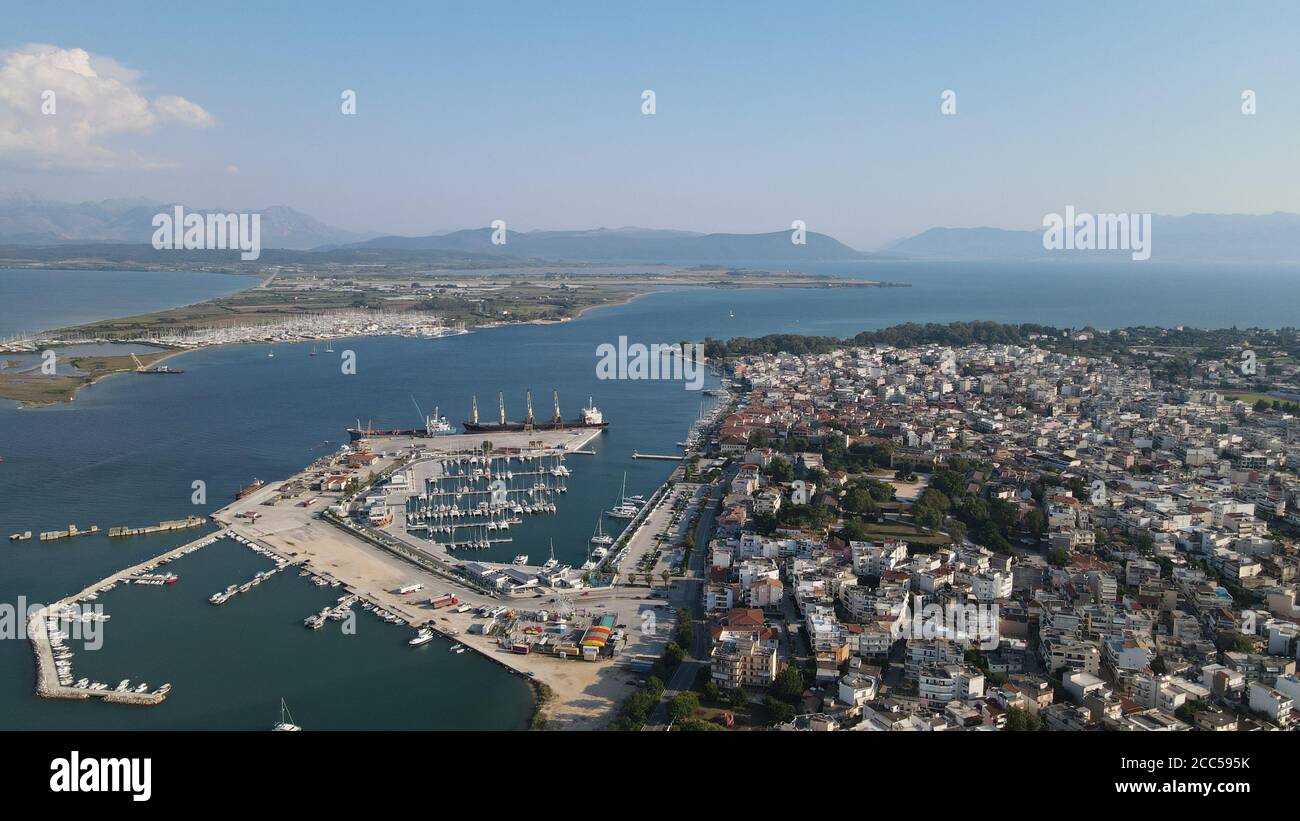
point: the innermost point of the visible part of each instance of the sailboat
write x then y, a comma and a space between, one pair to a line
329, 347
270, 353
626, 508
551, 562
313, 350
601, 537
285, 726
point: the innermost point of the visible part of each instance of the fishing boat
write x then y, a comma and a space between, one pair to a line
283, 726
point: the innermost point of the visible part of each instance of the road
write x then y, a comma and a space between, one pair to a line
688, 592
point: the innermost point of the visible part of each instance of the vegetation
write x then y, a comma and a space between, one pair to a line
789, 684
1019, 720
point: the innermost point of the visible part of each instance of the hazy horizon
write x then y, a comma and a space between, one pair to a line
534, 115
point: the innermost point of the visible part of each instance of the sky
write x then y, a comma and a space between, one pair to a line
829, 113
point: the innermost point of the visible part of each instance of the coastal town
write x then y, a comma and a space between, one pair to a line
995, 537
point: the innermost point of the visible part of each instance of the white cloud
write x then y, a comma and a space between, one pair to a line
94, 98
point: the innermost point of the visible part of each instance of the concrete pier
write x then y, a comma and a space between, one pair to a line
47, 678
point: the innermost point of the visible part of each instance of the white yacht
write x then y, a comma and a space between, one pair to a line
285, 725
601, 537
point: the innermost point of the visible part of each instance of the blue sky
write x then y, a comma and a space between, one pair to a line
767, 113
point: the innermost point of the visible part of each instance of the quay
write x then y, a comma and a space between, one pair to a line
636, 455
48, 684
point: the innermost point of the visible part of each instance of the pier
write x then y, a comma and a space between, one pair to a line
48, 682
636, 455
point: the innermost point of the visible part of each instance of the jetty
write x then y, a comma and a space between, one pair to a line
48, 684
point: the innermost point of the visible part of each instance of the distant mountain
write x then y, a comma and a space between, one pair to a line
1192, 238
28, 220
630, 245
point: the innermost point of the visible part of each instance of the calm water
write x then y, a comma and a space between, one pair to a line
32, 301
127, 451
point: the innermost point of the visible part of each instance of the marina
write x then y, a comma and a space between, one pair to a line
237, 471
47, 634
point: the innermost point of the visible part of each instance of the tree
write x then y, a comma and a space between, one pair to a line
683, 706
1035, 522
855, 531
928, 517
778, 711
956, 531
673, 655
859, 500
1019, 720
667, 577
789, 684
711, 692
1145, 543
779, 470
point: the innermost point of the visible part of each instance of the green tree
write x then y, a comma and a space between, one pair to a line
789, 684
683, 706
779, 470
1019, 720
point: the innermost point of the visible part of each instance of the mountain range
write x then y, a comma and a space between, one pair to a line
1191, 238
629, 245
28, 220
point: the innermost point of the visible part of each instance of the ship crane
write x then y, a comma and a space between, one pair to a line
501, 407
557, 419
528, 419
473, 413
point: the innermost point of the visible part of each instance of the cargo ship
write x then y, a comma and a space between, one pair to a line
257, 485
433, 426
591, 418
